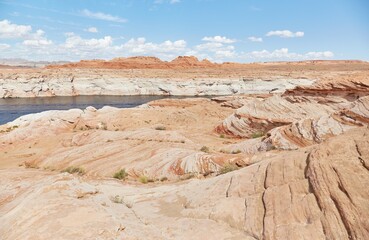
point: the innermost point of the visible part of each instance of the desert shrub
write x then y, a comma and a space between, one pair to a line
163, 179
30, 164
228, 168
121, 174
187, 176
72, 170
257, 134
117, 199
161, 128
221, 136
236, 151
143, 179
204, 149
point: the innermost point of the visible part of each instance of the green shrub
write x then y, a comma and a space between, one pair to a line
257, 134
204, 149
72, 170
121, 174
221, 136
228, 168
143, 179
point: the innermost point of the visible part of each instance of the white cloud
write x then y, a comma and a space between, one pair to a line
216, 51
218, 39
4, 46
285, 34
10, 30
91, 30
34, 45
140, 46
255, 39
37, 40
318, 55
285, 54
76, 42
13, 31
102, 16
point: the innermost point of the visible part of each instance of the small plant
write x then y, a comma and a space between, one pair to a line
221, 136
204, 149
30, 165
121, 174
236, 151
163, 179
228, 168
257, 134
72, 170
160, 128
187, 176
143, 179
102, 125
117, 199
183, 141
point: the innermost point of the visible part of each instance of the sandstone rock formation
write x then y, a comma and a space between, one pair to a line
308, 131
321, 194
261, 115
268, 165
185, 76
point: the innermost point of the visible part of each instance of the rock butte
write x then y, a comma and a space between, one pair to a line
286, 164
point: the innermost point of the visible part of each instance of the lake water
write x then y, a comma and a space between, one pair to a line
12, 108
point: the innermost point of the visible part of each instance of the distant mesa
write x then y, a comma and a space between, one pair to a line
140, 62
149, 62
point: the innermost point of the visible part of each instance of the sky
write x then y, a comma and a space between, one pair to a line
219, 30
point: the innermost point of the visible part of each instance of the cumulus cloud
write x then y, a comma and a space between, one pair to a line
285, 54
35, 45
319, 55
37, 40
10, 30
91, 30
285, 34
166, 50
76, 42
216, 51
102, 16
218, 39
255, 39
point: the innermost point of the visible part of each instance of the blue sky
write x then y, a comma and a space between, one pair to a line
220, 30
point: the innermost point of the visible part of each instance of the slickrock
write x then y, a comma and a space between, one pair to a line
302, 172
308, 131
314, 193
139, 140
350, 87
257, 116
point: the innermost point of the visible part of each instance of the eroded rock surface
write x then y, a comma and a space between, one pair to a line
291, 165
314, 193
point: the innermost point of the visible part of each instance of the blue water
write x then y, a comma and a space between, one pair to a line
12, 108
